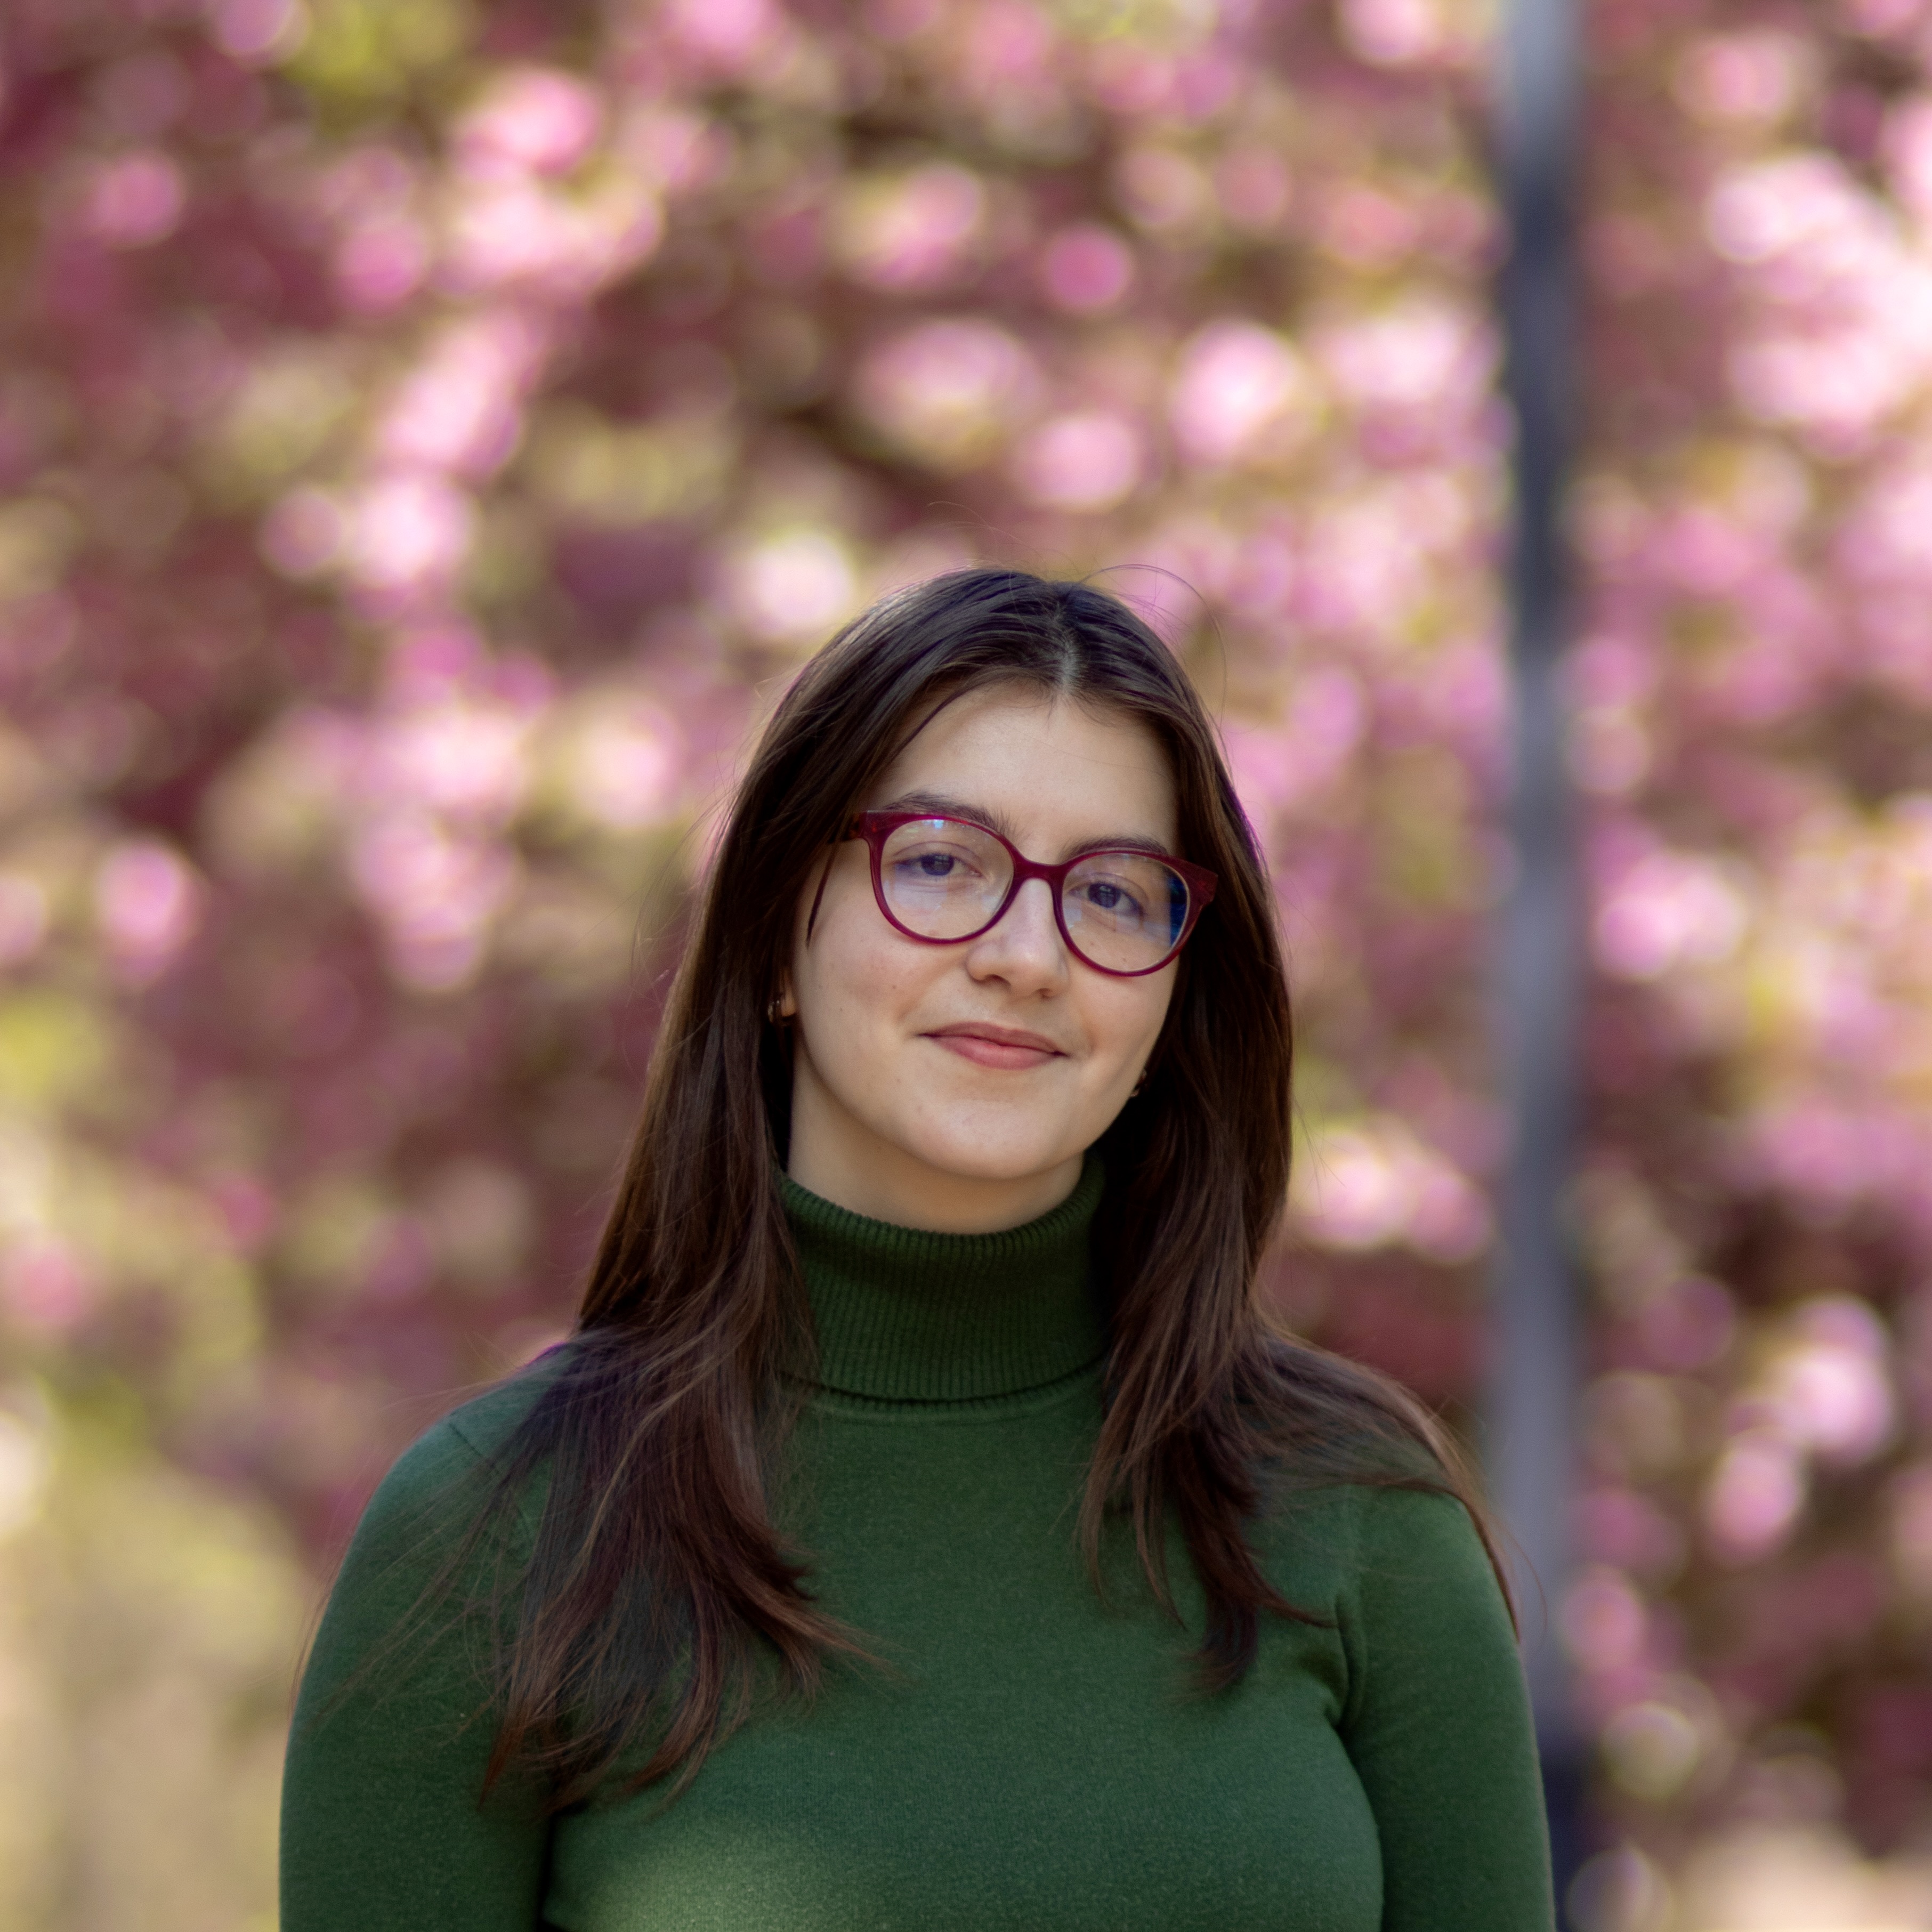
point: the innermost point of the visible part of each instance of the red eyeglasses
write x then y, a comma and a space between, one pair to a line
1123, 911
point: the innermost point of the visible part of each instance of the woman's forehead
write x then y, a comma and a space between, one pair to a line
1026, 757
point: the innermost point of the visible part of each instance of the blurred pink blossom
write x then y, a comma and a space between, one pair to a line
1090, 460
372, 184
1363, 227
248, 1208
258, 31
1255, 188
1612, 667
913, 233
1236, 381
435, 894
1425, 354
1705, 551
1750, 76
674, 148
1130, 77
949, 391
380, 264
1610, 751
1852, 1023
304, 532
531, 119
459, 409
1912, 1527
1370, 1184
1688, 1325
1450, 1221
402, 1262
625, 767
442, 661
1362, 568
1361, 1192
144, 95
1828, 1156
521, 1343
1828, 1389
408, 533
44, 1285
1755, 1495
23, 917
1279, 769
1263, 574
1908, 150
1085, 269
1623, 1529
1604, 1621
1008, 41
1166, 192
791, 587
726, 36
1887, 533
1843, 333
1839, 388
1394, 33
463, 761
1768, 207
149, 902
135, 200
1882, 19
1205, 79
517, 234
1667, 910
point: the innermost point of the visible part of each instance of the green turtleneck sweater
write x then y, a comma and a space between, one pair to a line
1035, 1759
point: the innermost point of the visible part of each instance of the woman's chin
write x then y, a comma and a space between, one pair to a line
970, 1163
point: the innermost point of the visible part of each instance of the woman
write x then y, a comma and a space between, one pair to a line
923, 1528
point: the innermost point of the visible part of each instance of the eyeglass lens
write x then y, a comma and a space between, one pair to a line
944, 878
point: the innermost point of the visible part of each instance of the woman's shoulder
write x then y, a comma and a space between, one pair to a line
446, 1470
1324, 1423
1364, 1518
1355, 1468
485, 1424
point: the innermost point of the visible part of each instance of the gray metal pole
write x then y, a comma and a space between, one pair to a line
1532, 1403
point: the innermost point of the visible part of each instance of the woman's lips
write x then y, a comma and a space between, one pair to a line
1005, 1048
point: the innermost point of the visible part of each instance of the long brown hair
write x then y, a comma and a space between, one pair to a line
657, 1579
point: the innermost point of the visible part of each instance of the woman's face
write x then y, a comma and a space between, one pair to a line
956, 1087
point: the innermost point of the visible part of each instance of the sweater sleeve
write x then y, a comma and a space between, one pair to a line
383, 1826
1438, 1725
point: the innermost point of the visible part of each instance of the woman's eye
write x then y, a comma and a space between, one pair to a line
933, 868
1105, 895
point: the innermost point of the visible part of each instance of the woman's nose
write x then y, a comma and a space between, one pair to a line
1024, 948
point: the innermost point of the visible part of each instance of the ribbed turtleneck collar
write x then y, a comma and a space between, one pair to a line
906, 1315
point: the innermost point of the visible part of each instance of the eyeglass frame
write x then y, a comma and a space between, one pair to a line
876, 827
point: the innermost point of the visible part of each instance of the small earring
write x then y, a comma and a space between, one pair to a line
772, 1015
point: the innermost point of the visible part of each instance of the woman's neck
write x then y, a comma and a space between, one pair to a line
902, 1314
891, 1185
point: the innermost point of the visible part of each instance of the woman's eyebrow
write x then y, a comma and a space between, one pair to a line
941, 804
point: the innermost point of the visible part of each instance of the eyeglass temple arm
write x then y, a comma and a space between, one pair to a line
818, 897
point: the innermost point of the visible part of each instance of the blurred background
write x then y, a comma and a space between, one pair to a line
433, 431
